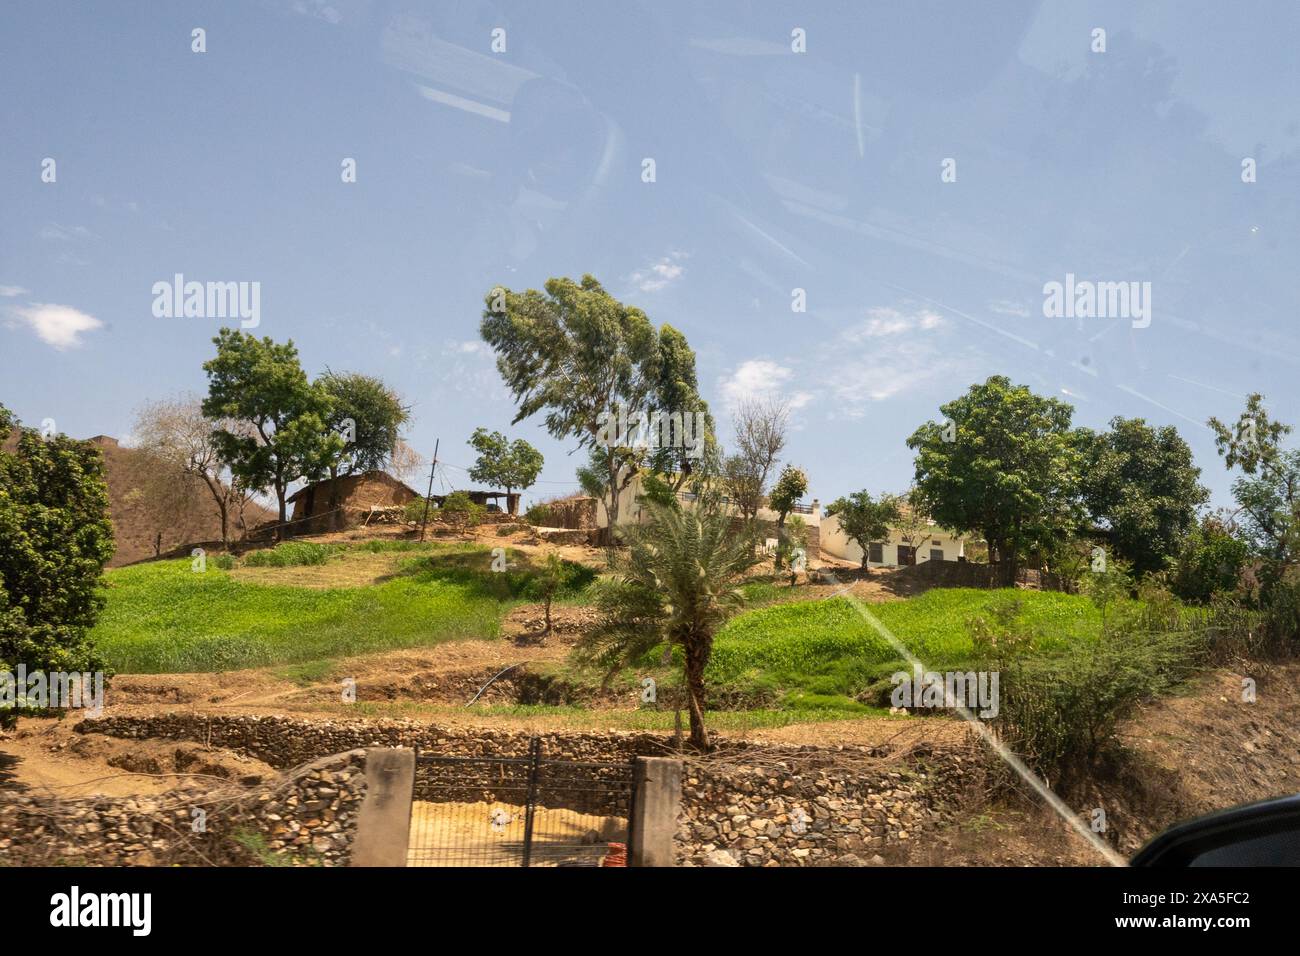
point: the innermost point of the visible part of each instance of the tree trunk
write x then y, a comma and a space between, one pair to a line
222, 499
280, 532
697, 656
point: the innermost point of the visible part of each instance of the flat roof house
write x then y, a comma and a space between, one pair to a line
906, 545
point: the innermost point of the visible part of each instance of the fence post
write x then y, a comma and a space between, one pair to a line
530, 804
384, 821
658, 783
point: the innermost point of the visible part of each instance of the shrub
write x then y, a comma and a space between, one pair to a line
415, 509
556, 577
1060, 712
539, 516
289, 554
224, 561
1281, 611
461, 511
793, 542
1210, 562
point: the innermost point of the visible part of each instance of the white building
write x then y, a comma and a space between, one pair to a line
902, 547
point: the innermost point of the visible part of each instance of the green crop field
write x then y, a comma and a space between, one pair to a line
824, 652
163, 617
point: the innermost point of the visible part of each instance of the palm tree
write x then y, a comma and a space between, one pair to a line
675, 585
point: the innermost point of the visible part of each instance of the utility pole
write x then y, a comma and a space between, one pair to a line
425, 523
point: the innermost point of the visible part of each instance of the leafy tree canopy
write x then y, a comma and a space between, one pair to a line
1003, 464
864, 519
369, 417
502, 463
55, 537
1140, 483
261, 383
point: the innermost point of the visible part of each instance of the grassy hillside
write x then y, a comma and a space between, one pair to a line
163, 617
823, 652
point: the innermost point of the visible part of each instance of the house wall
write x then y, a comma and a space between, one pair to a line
837, 544
356, 493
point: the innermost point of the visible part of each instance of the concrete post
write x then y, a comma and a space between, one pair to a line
654, 817
384, 821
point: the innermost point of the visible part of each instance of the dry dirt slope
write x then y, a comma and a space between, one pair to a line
139, 517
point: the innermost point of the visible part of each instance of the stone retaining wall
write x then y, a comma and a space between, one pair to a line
305, 817
792, 814
746, 804
288, 741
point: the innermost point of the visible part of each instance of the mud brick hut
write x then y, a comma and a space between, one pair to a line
346, 501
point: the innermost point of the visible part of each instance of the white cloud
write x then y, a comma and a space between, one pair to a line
760, 379
893, 351
467, 347
58, 325
882, 322
57, 233
659, 274
9, 291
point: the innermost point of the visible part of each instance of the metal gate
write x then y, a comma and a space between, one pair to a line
520, 811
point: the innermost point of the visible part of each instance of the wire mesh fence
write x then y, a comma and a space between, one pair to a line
520, 811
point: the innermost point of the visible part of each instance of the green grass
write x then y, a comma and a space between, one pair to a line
289, 554
823, 653
162, 617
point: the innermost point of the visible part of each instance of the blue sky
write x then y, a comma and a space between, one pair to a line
775, 170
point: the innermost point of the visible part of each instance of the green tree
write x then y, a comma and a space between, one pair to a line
1005, 465
505, 464
1268, 493
575, 353
913, 525
259, 383
791, 485
367, 416
1140, 484
863, 519
55, 537
691, 453
676, 585
550, 579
